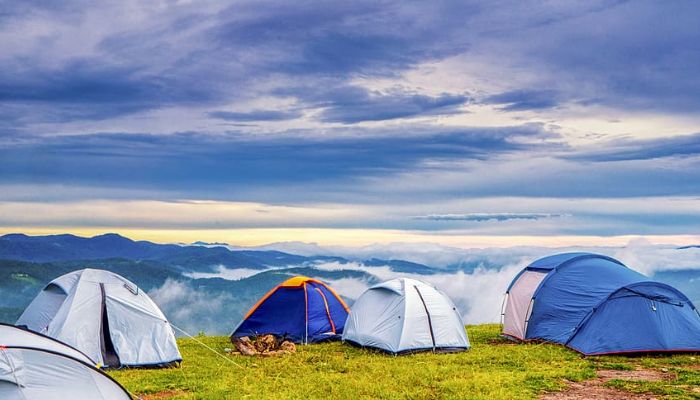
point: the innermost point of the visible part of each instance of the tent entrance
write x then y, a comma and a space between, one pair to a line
519, 304
427, 313
328, 310
109, 354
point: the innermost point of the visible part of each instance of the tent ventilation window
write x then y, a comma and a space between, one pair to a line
133, 291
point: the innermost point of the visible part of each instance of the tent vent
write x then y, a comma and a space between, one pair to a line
133, 291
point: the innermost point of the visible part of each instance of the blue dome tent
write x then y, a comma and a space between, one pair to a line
596, 305
300, 309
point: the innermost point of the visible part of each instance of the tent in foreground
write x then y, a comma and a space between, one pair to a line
596, 305
403, 316
104, 316
33, 366
301, 309
11, 335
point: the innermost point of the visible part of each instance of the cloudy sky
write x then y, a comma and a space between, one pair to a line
465, 123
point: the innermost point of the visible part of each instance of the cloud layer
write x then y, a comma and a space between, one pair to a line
476, 279
413, 109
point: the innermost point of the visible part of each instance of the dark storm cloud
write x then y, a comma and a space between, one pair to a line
642, 55
630, 149
89, 68
201, 162
256, 115
524, 100
351, 104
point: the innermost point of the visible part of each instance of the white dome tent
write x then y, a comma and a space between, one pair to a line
33, 366
406, 315
14, 336
106, 317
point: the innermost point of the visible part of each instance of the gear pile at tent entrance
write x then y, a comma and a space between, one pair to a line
265, 345
92, 319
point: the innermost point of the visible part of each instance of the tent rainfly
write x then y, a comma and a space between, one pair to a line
301, 309
596, 305
106, 317
35, 367
403, 316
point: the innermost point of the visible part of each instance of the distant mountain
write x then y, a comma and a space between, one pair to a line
214, 305
187, 281
71, 247
28, 263
400, 266
200, 243
693, 246
56, 248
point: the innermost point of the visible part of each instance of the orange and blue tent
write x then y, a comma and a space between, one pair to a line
300, 309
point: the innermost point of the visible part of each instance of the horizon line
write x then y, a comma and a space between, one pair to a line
257, 237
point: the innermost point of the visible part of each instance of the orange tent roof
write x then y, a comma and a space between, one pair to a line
297, 281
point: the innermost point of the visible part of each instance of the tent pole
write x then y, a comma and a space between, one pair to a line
306, 316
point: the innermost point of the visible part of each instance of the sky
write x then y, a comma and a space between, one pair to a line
463, 123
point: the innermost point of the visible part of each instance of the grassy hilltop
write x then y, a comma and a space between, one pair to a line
492, 369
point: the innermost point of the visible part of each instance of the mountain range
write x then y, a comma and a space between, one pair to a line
209, 286
27, 263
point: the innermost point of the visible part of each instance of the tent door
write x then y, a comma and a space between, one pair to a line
430, 322
519, 304
328, 310
109, 354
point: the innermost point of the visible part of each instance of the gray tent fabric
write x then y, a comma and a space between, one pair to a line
12, 336
36, 367
405, 315
27, 374
106, 317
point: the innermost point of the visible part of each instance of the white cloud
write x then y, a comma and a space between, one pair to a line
192, 310
648, 258
231, 274
477, 290
348, 287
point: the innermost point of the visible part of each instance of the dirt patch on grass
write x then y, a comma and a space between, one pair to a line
635, 375
594, 389
167, 394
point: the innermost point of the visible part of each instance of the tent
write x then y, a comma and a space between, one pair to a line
406, 315
301, 309
14, 336
596, 305
33, 366
106, 317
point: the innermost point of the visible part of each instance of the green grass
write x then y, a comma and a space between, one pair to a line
492, 369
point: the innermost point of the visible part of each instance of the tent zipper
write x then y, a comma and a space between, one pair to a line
430, 322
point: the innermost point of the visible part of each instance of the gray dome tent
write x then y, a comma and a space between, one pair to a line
403, 316
33, 366
106, 317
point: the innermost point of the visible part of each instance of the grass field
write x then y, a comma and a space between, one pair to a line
492, 369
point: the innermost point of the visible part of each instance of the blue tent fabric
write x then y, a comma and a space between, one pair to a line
569, 292
643, 317
549, 263
596, 305
282, 314
301, 309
